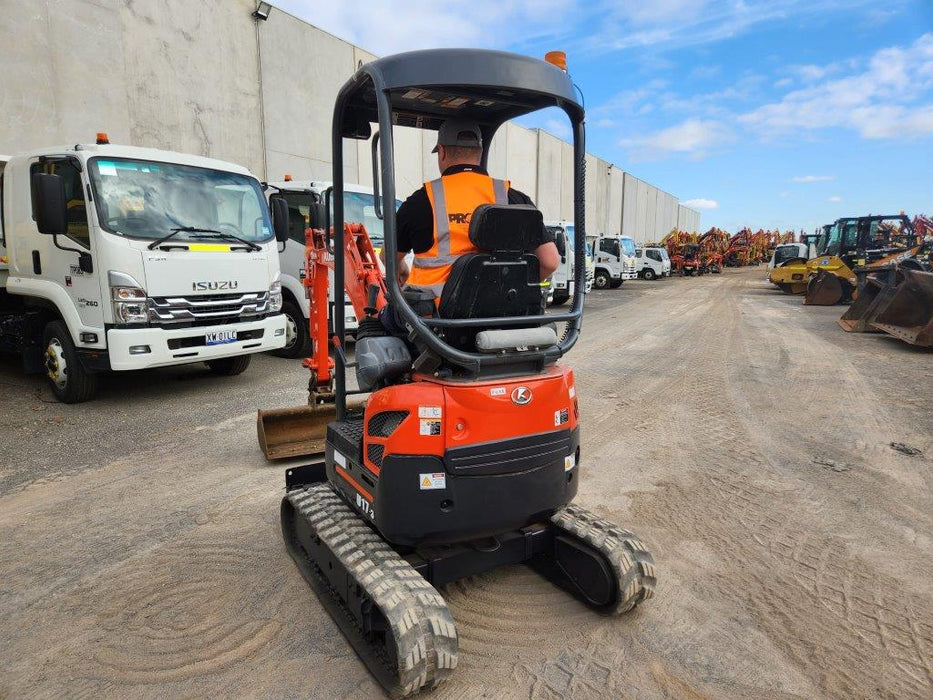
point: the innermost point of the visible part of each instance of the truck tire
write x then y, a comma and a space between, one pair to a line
601, 280
648, 274
560, 299
297, 340
229, 366
70, 382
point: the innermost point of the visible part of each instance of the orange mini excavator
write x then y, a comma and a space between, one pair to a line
466, 453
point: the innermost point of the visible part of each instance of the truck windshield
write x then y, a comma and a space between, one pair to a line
628, 246
664, 255
358, 208
147, 199
784, 253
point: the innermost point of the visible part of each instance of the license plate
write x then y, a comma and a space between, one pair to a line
220, 337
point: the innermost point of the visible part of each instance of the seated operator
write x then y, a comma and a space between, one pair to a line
434, 222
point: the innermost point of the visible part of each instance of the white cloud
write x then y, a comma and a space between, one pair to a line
384, 26
835, 199
701, 203
813, 178
693, 137
672, 24
559, 128
878, 101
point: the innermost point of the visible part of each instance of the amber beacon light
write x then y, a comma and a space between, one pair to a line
557, 58
102, 138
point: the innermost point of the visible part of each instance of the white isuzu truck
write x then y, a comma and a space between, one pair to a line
122, 258
615, 261
300, 198
563, 278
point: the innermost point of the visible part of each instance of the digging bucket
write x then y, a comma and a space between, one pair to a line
826, 289
871, 299
297, 431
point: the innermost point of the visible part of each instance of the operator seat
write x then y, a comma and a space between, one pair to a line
501, 281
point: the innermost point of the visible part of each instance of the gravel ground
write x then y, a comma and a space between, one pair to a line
744, 436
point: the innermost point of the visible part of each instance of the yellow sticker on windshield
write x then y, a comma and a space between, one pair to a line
215, 247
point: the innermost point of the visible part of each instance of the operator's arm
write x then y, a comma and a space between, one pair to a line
414, 230
548, 259
546, 252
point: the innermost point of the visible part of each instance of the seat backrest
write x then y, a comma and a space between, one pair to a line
503, 279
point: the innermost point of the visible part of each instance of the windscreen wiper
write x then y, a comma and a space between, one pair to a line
179, 229
229, 237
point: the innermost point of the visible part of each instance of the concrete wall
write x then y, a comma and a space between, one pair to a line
205, 77
688, 219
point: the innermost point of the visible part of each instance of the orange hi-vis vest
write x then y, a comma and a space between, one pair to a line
453, 199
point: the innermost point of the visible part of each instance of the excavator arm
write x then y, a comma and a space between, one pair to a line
301, 430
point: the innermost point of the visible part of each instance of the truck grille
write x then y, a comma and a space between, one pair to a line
207, 310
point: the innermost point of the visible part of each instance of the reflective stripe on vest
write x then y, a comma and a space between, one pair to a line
463, 191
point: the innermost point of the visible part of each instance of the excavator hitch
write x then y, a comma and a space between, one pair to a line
827, 289
296, 431
909, 313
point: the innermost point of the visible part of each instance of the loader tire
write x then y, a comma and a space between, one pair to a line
229, 366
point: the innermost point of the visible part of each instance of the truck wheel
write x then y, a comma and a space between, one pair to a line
648, 274
70, 382
560, 299
230, 366
615, 284
297, 340
601, 280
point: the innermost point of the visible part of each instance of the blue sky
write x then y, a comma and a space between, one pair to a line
767, 113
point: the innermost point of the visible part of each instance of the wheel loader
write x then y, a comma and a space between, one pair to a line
464, 453
866, 240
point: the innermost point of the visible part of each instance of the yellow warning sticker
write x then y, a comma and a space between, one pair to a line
428, 482
211, 247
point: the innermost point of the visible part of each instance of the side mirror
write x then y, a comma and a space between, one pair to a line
318, 216
51, 206
280, 219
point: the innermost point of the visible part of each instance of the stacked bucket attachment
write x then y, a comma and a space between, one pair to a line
385, 599
909, 313
875, 289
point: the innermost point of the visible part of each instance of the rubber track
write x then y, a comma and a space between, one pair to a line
626, 553
421, 624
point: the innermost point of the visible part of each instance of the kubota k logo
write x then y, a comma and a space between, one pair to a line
521, 395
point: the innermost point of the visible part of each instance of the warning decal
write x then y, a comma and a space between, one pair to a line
430, 427
429, 411
429, 482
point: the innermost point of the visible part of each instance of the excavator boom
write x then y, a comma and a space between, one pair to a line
299, 431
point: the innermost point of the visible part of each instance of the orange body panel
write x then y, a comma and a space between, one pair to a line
447, 414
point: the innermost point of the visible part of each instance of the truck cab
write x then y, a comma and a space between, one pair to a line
615, 261
300, 198
653, 262
562, 281
123, 258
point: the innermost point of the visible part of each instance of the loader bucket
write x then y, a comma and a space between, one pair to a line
294, 432
826, 289
871, 299
909, 314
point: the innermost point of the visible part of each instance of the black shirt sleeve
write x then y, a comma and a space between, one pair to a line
414, 223
517, 197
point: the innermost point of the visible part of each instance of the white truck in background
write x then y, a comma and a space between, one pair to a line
615, 261
653, 262
300, 198
562, 281
122, 258
791, 251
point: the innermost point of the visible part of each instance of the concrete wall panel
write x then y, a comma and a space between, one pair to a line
522, 159
614, 204
548, 186
566, 181
590, 188
629, 222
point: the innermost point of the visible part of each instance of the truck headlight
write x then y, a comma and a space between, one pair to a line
275, 297
129, 305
